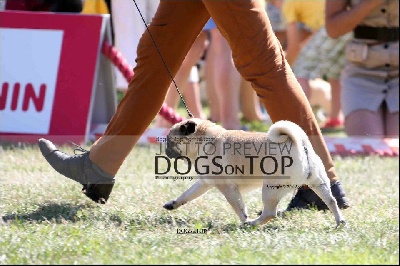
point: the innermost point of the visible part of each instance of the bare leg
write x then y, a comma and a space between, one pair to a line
392, 125
315, 96
281, 35
193, 100
210, 83
250, 103
365, 123
295, 38
226, 81
305, 85
181, 78
336, 110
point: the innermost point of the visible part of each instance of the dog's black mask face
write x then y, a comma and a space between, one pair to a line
171, 151
188, 128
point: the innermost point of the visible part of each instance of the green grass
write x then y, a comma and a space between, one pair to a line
46, 220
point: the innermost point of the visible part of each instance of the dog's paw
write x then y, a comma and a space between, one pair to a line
169, 205
341, 224
249, 223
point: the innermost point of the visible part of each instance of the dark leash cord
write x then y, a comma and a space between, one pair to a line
165, 64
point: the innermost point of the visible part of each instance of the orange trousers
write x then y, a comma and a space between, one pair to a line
256, 52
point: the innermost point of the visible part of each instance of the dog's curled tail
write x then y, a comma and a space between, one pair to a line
280, 131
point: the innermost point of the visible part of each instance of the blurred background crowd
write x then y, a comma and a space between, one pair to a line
344, 54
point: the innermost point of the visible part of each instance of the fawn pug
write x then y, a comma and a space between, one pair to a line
235, 161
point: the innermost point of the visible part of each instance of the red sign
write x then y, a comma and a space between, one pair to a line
47, 74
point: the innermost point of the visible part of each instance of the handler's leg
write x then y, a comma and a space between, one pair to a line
174, 27
259, 58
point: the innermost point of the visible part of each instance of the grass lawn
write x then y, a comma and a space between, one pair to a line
46, 220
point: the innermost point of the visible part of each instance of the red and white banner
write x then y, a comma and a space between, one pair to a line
48, 73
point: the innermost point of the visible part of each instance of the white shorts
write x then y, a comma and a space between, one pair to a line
194, 75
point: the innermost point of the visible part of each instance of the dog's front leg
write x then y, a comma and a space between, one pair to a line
271, 195
195, 191
234, 197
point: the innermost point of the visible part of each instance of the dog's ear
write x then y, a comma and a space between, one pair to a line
191, 127
188, 128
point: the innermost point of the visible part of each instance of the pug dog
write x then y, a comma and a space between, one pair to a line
236, 161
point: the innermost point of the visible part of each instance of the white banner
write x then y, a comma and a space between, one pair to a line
28, 73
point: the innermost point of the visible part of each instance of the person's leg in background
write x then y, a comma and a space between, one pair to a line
188, 88
212, 98
318, 93
305, 85
380, 123
274, 11
250, 103
365, 123
309, 66
392, 110
306, 62
332, 67
335, 116
302, 19
392, 124
192, 94
296, 37
190, 91
225, 79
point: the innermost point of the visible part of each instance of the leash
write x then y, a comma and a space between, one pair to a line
165, 64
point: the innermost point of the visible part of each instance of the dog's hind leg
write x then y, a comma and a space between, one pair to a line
234, 197
324, 192
195, 191
271, 195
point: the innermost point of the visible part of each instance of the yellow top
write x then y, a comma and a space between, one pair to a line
95, 7
309, 12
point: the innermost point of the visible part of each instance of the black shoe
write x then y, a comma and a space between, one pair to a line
97, 184
305, 198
